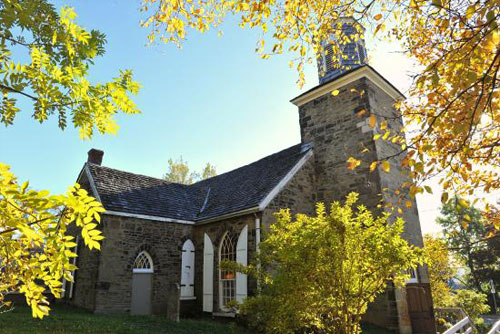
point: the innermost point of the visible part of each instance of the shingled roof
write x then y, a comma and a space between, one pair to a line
243, 188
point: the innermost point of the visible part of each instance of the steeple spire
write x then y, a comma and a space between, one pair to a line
352, 51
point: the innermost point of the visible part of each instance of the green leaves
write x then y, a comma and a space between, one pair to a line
34, 233
320, 272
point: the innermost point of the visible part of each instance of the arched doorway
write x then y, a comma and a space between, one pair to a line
142, 281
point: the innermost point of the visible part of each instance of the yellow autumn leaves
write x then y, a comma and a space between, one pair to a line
54, 79
453, 106
37, 233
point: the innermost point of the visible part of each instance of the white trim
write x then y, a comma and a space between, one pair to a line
495, 328
265, 202
413, 276
142, 271
72, 283
187, 298
92, 183
224, 314
362, 72
458, 326
161, 219
257, 244
257, 234
229, 215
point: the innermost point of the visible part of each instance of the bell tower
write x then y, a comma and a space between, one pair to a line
349, 36
338, 126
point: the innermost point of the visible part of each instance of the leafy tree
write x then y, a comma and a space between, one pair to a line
442, 268
320, 273
467, 236
453, 102
209, 171
35, 247
36, 250
472, 302
55, 78
179, 172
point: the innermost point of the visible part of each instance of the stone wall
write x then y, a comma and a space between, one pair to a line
298, 195
332, 124
125, 239
382, 105
85, 278
87, 263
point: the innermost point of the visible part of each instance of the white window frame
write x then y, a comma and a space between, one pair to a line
143, 270
221, 289
413, 275
73, 262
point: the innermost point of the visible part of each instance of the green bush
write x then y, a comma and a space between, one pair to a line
473, 303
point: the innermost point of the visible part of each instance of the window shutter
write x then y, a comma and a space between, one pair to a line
187, 274
241, 258
208, 275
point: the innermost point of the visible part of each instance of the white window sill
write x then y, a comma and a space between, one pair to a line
224, 314
188, 298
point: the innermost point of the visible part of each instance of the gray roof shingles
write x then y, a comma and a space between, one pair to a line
239, 189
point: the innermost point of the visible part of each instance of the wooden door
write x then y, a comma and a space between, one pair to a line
420, 308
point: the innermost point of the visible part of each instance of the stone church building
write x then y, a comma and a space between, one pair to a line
164, 241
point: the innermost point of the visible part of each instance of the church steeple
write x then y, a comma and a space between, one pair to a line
352, 51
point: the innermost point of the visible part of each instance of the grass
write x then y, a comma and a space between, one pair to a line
64, 319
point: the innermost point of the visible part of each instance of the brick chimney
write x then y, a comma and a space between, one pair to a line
95, 156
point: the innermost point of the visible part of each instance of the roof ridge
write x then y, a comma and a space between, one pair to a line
306, 147
136, 174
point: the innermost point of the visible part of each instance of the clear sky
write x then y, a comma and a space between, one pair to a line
213, 101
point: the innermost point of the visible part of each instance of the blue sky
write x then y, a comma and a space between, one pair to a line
213, 101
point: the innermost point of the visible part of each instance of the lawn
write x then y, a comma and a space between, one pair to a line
68, 320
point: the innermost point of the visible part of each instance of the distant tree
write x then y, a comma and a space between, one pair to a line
444, 266
179, 172
209, 171
319, 273
470, 238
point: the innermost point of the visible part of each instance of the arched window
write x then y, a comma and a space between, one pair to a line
187, 274
143, 263
227, 278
